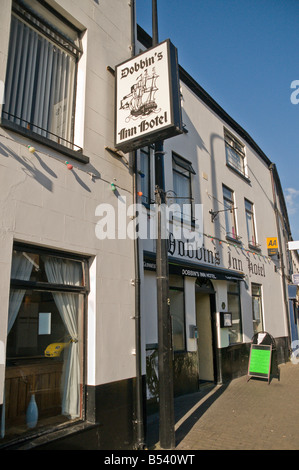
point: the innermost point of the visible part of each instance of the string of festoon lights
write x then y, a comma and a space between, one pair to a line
33, 150
245, 251
112, 185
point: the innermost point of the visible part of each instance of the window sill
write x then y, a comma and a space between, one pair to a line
254, 247
38, 440
76, 155
238, 172
188, 223
234, 240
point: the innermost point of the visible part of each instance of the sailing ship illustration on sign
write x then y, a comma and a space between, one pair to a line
141, 99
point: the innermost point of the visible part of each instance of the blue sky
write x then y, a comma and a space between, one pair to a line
245, 54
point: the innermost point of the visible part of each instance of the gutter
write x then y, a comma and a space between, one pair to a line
273, 173
189, 81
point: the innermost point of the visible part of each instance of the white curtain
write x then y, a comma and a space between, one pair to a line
61, 271
20, 269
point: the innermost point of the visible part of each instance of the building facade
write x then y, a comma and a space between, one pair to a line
66, 339
230, 288
78, 335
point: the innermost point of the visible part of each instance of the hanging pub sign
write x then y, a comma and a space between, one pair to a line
147, 101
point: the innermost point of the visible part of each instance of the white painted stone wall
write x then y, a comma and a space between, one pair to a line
43, 203
204, 147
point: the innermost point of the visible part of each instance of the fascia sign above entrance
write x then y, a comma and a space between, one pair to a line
147, 101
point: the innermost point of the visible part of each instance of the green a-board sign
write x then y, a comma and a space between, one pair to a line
260, 361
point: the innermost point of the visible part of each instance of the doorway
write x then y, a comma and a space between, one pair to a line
205, 320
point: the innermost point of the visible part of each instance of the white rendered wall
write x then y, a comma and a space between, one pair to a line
43, 203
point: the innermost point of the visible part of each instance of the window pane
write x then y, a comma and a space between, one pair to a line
234, 152
182, 170
177, 312
44, 367
229, 222
250, 222
233, 299
256, 289
248, 206
234, 159
228, 194
233, 287
145, 175
176, 281
229, 214
39, 92
257, 316
35, 267
181, 187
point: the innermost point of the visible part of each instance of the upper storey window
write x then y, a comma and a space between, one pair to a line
182, 186
40, 85
235, 152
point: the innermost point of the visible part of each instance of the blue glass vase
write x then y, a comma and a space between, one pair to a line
32, 413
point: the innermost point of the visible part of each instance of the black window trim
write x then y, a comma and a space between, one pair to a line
53, 432
47, 286
187, 166
240, 307
147, 151
180, 289
75, 154
26, 15
183, 163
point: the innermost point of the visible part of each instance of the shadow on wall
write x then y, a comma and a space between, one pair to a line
31, 170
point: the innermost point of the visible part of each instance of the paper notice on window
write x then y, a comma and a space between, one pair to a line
44, 323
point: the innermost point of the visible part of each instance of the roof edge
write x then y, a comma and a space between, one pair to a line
146, 40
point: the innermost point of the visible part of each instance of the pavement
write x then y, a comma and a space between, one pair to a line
240, 415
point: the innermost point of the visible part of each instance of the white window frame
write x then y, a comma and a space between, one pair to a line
230, 213
260, 320
251, 211
235, 153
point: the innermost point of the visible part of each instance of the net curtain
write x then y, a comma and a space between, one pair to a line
67, 272
58, 271
20, 269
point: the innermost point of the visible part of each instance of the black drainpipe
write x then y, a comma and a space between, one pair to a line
139, 391
285, 296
